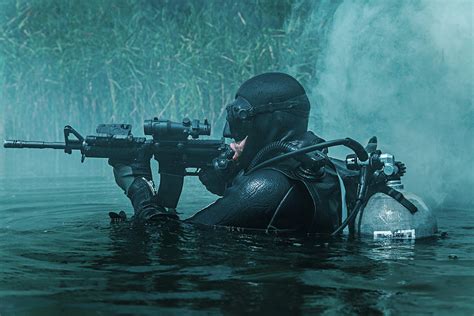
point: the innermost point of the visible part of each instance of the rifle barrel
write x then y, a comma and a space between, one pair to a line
32, 144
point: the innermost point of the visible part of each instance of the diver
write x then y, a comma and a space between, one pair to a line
280, 178
302, 194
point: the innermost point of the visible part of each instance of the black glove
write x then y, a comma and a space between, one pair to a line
135, 179
217, 178
144, 199
212, 181
125, 172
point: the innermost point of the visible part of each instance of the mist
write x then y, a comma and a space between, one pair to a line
403, 71
399, 70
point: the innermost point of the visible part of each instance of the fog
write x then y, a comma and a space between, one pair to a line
403, 71
400, 70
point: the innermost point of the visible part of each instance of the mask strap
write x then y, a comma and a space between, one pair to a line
290, 104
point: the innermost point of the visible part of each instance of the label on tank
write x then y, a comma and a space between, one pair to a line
396, 234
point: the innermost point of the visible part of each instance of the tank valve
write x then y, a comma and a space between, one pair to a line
389, 166
384, 163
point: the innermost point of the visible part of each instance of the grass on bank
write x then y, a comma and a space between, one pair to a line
89, 62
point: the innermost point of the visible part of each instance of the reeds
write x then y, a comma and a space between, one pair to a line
89, 62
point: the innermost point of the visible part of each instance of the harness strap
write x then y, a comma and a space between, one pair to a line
270, 224
399, 197
316, 203
343, 199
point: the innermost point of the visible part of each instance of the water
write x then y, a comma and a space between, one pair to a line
60, 255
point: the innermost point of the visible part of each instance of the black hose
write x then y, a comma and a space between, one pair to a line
275, 146
348, 142
361, 198
349, 218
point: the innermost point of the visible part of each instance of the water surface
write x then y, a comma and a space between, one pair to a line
60, 254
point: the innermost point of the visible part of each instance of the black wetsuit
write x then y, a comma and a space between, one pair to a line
265, 199
275, 198
268, 108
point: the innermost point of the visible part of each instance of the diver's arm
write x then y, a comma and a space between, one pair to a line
251, 202
213, 181
135, 179
145, 202
218, 180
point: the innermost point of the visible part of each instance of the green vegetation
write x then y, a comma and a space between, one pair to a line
87, 62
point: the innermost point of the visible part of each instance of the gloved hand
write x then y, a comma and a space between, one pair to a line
144, 199
135, 179
213, 181
125, 172
216, 179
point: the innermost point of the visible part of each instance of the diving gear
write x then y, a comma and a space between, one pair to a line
125, 172
383, 208
241, 109
379, 178
117, 217
348, 142
145, 202
290, 195
384, 217
279, 199
251, 203
217, 178
240, 112
300, 190
267, 108
373, 175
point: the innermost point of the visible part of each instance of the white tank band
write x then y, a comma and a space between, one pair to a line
343, 201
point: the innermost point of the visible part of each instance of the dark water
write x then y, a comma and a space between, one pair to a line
60, 255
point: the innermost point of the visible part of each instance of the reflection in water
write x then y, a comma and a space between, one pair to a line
393, 250
175, 265
60, 254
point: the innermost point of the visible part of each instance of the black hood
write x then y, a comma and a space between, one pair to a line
284, 123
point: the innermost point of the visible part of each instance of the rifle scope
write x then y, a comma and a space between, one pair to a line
161, 129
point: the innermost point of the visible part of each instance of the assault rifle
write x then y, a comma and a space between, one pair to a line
175, 145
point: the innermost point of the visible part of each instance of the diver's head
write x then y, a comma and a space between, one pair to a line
267, 108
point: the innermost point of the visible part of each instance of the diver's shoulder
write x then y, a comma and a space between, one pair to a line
263, 181
267, 173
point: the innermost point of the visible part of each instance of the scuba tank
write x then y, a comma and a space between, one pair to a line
388, 211
383, 217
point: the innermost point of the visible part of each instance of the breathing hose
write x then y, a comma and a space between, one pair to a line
349, 218
276, 146
361, 196
347, 142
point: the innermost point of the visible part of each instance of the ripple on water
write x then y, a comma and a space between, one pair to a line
59, 249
